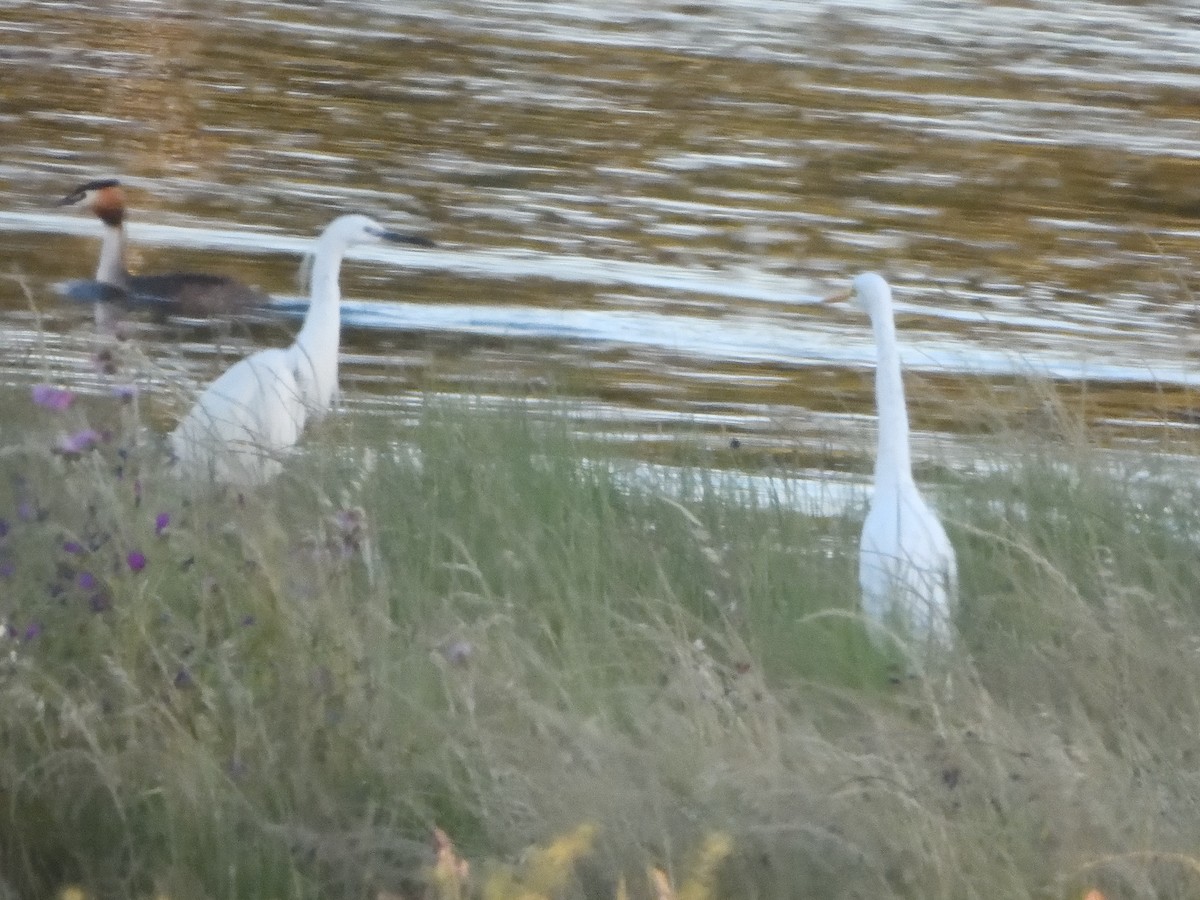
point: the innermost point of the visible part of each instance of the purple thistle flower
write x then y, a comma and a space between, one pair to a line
73, 547
161, 521
136, 560
350, 520
85, 581
458, 653
79, 442
48, 396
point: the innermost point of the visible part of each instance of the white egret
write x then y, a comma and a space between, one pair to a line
197, 294
907, 569
247, 419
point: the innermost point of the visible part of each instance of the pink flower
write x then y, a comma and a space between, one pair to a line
50, 397
161, 522
136, 560
79, 442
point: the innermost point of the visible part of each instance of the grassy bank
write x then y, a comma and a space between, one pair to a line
469, 623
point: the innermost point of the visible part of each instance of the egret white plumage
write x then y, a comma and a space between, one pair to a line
907, 568
242, 425
199, 294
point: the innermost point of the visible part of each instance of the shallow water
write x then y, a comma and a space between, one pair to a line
637, 207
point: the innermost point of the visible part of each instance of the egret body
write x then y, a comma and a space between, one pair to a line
197, 294
244, 423
907, 569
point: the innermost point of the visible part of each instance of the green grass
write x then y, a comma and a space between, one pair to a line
470, 622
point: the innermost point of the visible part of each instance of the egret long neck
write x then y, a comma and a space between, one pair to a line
319, 337
111, 269
893, 464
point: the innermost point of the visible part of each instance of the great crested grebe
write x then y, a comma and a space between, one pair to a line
906, 566
194, 294
244, 421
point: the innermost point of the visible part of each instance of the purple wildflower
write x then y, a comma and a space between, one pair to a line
349, 520
4, 528
85, 581
136, 560
352, 525
161, 522
247, 621
458, 653
50, 397
27, 511
125, 392
7, 568
237, 768
79, 442
32, 630
73, 547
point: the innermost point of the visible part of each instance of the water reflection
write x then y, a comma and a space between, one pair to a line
636, 205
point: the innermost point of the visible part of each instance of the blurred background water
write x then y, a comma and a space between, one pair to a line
636, 206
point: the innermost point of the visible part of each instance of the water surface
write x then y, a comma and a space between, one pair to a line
638, 206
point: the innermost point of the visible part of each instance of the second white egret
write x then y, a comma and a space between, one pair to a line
907, 568
241, 426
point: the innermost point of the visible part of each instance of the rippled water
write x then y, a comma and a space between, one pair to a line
637, 206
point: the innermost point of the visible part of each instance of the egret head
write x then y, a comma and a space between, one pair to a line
868, 291
360, 229
104, 198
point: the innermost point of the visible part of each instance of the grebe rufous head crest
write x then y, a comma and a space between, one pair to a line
103, 197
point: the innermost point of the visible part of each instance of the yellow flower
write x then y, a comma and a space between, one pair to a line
662, 884
548, 869
712, 853
698, 885
450, 871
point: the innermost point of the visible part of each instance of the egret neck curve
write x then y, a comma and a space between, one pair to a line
316, 346
893, 462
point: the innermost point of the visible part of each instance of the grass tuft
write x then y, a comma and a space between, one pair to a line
592, 687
